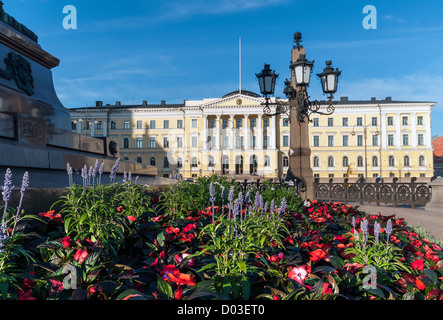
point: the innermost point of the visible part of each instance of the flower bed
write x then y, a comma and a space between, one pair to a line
210, 241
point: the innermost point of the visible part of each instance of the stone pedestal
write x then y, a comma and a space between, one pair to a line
35, 128
436, 203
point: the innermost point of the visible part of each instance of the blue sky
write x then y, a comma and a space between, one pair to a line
177, 49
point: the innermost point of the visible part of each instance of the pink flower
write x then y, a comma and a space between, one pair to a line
179, 259
298, 274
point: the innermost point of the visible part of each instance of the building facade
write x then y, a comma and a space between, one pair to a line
232, 136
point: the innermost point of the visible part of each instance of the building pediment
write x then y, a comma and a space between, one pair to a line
237, 100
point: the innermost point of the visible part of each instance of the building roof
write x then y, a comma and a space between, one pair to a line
373, 100
244, 92
438, 147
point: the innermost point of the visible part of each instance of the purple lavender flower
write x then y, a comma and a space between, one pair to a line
69, 171
231, 194
212, 193
7, 186
100, 172
125, 177
257, 200
223, 193
7, 189
114, 170
247, 197
129, 176
282, 208
376, 231
271, 208
25, 184
388, 229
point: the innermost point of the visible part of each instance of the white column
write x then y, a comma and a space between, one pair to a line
92, 127
231, 130
79, 126
105, 126
274, 132
383, 135
218, 133
205, 131
260, 132
246, 130
399, 138
414, 130
428, 129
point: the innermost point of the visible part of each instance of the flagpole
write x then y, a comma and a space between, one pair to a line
239, 65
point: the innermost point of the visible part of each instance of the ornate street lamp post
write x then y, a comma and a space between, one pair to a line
299, 108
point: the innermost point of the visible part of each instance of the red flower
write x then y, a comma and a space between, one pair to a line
420, 285
171, 273
317, 255
190, 227
326, 288
119, 209
25, 295
352, 267
172, 230
81, 255
66, 241
178, 294
51, 215
418, 264
131, 218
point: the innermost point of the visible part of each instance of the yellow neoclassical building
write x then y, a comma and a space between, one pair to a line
232, 136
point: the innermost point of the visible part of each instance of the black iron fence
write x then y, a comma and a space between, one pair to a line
377, 192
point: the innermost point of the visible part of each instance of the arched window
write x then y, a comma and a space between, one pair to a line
179, 162
345, 161
375, 161
165, 162
360, 161
152, 161
194, 162
406, 161
421, 161
139, 160
330, 161
211, 161
316, 162
285, 161
267, 161
391, 161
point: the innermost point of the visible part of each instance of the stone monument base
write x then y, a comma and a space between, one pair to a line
436, 203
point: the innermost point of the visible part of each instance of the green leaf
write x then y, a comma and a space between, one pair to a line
164, 287
161, 238
431, 275
246, 288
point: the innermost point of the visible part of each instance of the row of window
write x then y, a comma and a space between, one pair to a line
375, 161
239, 142
374, 121
194, 124
211, 161
374, 140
